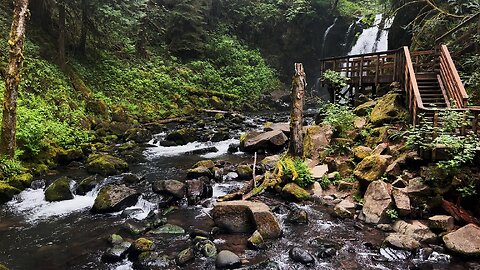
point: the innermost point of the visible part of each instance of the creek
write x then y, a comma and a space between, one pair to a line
36, 234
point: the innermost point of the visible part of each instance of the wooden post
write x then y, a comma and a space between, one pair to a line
295, 148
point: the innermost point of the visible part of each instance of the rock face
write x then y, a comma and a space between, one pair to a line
105, 164
255, 141
227, 260
377, 202
59, 190
465, 240
113, 198
169, 187
388, 109
7, 192
315, 141
246, 217
371, 168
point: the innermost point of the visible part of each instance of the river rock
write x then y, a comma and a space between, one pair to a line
227, 260
245, 172
114, 198
246, 217
297, 216
7, 192
105, 164
198, 189
293, 191
301, 256
465, 240
319, 171
209, 164
377, 201
315, 140
168, 229
415, 229
441, 222
345, 209
59, 190
370, 169
271, 140
182, 136
169, 187
388, 109
131, 179
138, 135
143, 245
256, 240
402, 202
88, 184
116, 253
401, 241
184, 256
199, 172
21, 181
283, 127
361, 152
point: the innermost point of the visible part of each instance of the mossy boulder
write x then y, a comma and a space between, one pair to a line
168, 229
217, 103
66, 156
88, 184
59, 190
119, 114
143, 245
388, 109
245, 172
361, 152
182, 136
21, 181
365, 108
294, 191
114, 198
205, 163
98, 107
106, 164
138, 135
7, 192
317, 138
371, 168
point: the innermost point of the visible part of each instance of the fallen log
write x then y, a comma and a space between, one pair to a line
458, 213
169, 120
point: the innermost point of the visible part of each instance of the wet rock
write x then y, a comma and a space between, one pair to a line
132, 229
297, 216
233, 148
227, 260
293, 191
169, 187
415, 229
88, 184
465, 240
401, 241
246, 217
197, 190
7, 192
59, 190
256, 240
184, 256
115, 239
143, 245
388, 109
301, 256
441, 222
138, 135
230, 176
116, 253
114, 198
105, 165
270, 161
345, 209
130, 178
361, 152
319, 171
389, 254
206, 247
21, 181
182, 136
377, 202
402, 202
254, 141
245, 172
315, 140
370, 169
284, 127
346, 186
316, 192
209, 164
325, 248
168, 229
202, 151
197, 232
199, 172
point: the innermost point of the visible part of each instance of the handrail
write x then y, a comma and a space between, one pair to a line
470, 19
359, 55
450, 77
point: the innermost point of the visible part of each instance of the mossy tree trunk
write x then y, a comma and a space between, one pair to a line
61, 34
295, 148
82, 46
12, 80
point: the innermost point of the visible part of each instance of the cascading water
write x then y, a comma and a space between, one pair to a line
373, 39
325, 35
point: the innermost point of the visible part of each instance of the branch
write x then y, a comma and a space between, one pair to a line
434, 6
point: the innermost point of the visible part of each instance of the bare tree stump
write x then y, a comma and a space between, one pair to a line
295, 148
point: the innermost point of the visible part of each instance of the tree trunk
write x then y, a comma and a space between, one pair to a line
335, 4
295, 148
82, 46
61, 34
12, 80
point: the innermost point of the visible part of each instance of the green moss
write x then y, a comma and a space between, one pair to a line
371, 168
59, 190
143, 245
21, 181
103, 201
7, 192
106, 164
388, 109
292, 190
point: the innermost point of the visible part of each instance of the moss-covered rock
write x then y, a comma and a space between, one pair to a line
361, 152
168, 229
7, 192
371, 169
317, 138
114, 198
245, 172
59, 190
88, 184
138, 135
182, 136
105, 164
365, 108
98, 107
143, 245
185, 256
21, 181
293, 191
205, 163
388, 109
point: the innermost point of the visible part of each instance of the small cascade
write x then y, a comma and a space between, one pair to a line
325, 35
373, 39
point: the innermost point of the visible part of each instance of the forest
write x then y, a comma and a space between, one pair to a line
253, 134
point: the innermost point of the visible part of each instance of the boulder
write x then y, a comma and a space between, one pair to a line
415, 229
114, 198
465, 240
169, 187
143, 245
199, 172
227, 260
131, 179
416, 186
245, 172
345, 209
402, 201
197, 189
21, 181
116, 253
297, 216
371, 168
209, 164
246, 217
138, 135
283, 127
105, 164
293, 191
88, 184
7, 192
168, 229
316, 192
315, 140
256, 241
365, 108
185, 256
361, 152
302, 256
388, 109
271, 140
377, 201
320, 171
59, 190
401, 241
441, 222
182, 136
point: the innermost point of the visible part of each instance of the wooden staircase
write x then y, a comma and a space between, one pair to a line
431, 89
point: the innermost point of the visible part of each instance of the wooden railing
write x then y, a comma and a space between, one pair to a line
451, 79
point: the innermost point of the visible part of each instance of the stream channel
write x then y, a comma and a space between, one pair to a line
35, 234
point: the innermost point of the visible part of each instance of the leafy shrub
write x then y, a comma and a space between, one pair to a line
340, 117
10, 167
297, 171
335, 79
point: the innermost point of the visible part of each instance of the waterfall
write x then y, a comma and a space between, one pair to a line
325, 35
373, 39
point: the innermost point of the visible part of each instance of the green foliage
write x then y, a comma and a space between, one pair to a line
296, 170
10, 167
468, 191
340, 117
325, 182
335, 79
392, 214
